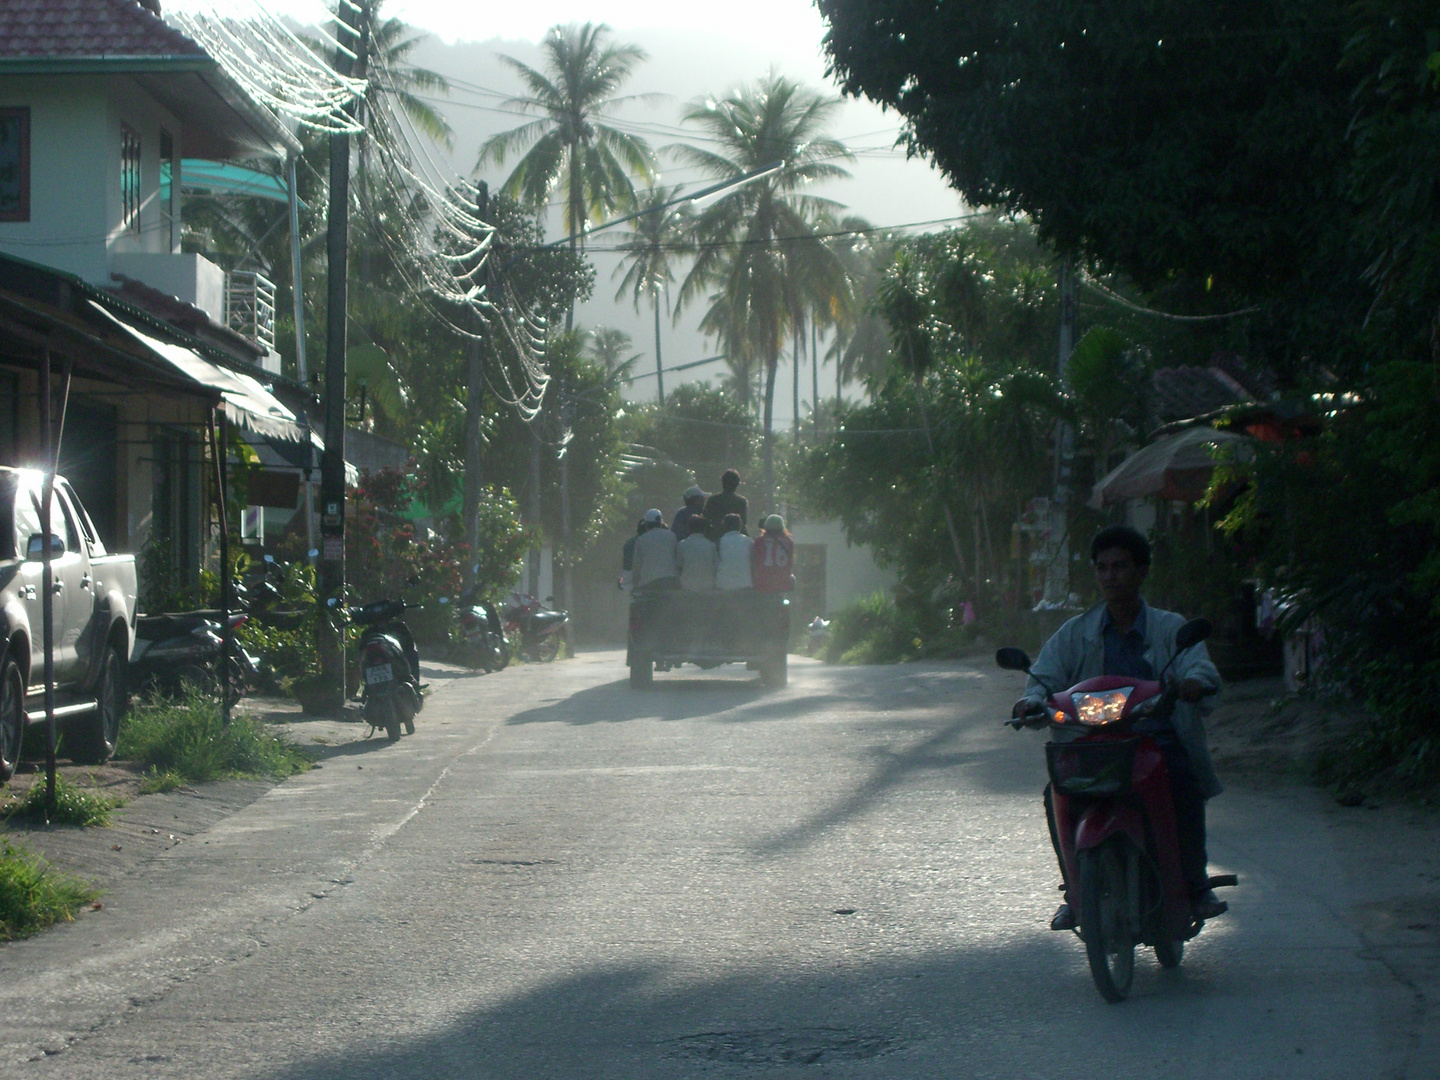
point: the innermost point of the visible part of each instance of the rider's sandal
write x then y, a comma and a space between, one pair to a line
1064, 918
1206, 905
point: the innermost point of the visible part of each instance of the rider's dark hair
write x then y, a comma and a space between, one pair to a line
1125, 538
729, 480
733, 523
698, 524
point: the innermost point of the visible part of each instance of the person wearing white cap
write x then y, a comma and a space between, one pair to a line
772, 559
654, 563
694, 507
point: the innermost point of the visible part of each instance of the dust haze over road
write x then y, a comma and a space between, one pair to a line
560, 877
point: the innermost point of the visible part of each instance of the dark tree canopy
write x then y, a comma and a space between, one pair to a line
1194, 144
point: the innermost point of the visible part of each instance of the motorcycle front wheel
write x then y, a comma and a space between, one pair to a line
499, 651
1106, 923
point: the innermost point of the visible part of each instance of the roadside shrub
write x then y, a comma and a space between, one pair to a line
32, 896
73, 805
189, 738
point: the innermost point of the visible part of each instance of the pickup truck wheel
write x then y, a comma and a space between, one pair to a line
642, 674
95, 735
12, 718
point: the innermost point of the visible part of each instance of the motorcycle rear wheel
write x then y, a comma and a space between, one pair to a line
1170, 953
499, 652
1105, 924
546, 649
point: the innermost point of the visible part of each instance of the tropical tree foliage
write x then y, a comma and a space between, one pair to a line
571, 147
657, 239
758, 264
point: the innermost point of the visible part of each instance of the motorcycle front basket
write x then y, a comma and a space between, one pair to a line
1091, 770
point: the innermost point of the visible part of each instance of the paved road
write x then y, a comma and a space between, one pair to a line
559, 877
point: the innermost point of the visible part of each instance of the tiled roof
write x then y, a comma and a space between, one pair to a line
1179, 393
91, 29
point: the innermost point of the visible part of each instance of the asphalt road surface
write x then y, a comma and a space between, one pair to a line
560, 877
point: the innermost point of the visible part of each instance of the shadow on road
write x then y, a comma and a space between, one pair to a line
635, 1021
615, 702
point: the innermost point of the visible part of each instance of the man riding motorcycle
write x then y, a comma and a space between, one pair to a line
1127, 637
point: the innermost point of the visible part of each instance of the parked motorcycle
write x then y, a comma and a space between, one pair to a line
1115, 817
389, 667
537, 626
178, 649
484, 632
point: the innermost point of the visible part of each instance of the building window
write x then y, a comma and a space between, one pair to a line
129, 179
14, 164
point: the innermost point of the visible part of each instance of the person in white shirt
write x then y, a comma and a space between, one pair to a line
654, 566
695, 556
732, 571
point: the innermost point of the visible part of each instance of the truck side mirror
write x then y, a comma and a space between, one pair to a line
35, 548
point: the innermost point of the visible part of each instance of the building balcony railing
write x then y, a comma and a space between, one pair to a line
250, 306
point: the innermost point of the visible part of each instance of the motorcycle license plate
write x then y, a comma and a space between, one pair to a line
379, 673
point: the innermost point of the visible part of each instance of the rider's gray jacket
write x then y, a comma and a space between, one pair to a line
1077, 652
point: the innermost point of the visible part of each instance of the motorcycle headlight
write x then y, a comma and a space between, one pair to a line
1103, 707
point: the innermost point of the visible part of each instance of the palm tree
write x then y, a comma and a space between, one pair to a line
570, 146
655, 240
609, 347
756, 245
383, 60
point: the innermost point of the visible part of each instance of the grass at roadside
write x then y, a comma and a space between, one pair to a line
186, 741
73, 805
34, 896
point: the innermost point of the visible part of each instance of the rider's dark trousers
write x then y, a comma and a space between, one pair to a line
1189, 813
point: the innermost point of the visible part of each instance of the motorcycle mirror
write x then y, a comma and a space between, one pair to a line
444, 599
1012, 659
269, 558
313, 553
549, 599
475, 569
331, 602
413, 579
1192, 633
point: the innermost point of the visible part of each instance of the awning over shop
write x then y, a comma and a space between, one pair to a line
224, 177
1176, 467
246, 401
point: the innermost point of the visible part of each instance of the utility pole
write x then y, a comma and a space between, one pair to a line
1057, 570
332, 464
474, 412
567, 409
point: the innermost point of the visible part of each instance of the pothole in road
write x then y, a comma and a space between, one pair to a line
777, 1046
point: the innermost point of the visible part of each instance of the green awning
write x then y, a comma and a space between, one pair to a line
215, 177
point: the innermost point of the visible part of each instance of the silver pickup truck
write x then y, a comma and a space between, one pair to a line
93, 612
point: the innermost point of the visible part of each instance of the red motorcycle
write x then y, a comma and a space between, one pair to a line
1115, 818
539, 628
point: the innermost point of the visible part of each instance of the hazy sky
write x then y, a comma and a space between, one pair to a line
694, 50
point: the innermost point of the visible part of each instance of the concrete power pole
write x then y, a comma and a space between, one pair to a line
331, 639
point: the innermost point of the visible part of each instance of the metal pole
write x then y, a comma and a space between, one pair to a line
218, 443
566, 409
47, 584
332, 464
296, 284
1057, 573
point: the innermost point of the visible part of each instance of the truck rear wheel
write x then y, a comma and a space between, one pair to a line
642, 674
95, 735
775, 673
12, 718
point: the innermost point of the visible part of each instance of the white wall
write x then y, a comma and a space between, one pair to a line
75, 172
850, 571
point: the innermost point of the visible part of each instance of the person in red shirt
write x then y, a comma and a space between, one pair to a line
772, 559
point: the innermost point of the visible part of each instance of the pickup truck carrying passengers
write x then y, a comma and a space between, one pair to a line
712, 596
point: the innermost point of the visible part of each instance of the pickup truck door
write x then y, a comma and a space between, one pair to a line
67, 566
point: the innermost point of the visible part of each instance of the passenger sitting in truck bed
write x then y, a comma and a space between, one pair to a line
694, 507
654, 566
726, 501
732, 570
772, 559
695, 557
